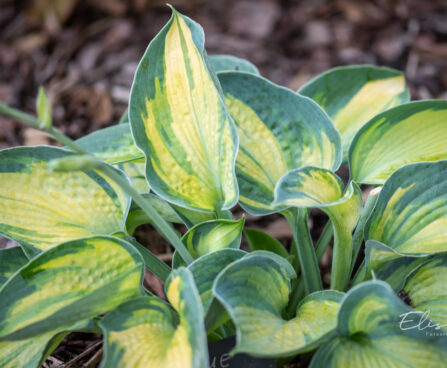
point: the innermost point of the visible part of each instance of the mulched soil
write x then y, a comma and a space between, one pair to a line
85, 54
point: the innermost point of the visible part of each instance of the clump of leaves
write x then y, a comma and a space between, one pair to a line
201, 135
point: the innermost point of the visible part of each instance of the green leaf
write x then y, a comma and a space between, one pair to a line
310, 187
71, 282
210, 236
228, 63
410, 133
258, 240
179, 121
43, 108
112, 144
137, 216
352, 95
410, 215
426, 289
370, 334
41, 209
146, 332
279, 130
255, 291
11, 259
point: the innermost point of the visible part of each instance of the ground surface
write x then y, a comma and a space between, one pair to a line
85, 53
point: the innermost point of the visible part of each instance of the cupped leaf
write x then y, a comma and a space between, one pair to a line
71, 282
255, 291
209, 236
212, 235
113, 144
279, 130
41, 208
426, 290
179, 121
352, 95
146, 332
229, 63
410, 215
410, 133
11, 259
371, 334
320, 188
206, 268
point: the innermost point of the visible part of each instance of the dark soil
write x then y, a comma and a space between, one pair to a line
85, 53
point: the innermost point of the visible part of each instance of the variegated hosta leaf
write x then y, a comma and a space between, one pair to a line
41, 208
24, 353
411, 211
228, 63
206, 268
370, 334
112, 144
11, 260
388, 265
137, 216
179, 121
314, 187
410, 133
279, 130
426, 289
352, 95
73, 281
255, 290
30, 352
210, 236
146, 332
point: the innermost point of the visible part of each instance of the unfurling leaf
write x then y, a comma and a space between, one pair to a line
43, 108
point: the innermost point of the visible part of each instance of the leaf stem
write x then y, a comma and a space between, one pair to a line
358, 236
298, 288
35, 123
310, 272
158, 221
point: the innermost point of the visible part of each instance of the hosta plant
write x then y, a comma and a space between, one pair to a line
201, 135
